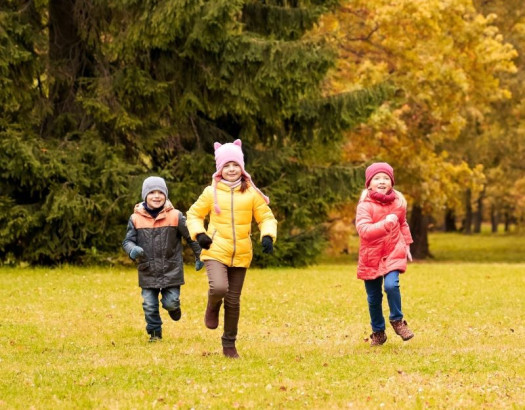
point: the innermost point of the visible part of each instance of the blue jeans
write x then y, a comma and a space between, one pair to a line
170, 301
375, 298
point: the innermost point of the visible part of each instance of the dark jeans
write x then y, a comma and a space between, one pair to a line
170, 301
226, 284
375, 298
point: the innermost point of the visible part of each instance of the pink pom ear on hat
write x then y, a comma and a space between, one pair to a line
376, 168
224, 153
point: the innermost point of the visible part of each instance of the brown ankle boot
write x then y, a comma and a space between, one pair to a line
230, 352
211, 317
401, 328
378, 338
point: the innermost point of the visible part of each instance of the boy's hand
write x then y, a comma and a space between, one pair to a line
198, 265
204, 241
267, 244
136, 252
409, 254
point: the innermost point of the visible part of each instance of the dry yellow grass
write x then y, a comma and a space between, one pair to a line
74, 338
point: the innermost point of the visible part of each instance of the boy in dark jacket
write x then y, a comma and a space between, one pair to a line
153, 240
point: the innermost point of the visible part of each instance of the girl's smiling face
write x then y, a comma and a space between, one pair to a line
155, 199
231, 171
380, 183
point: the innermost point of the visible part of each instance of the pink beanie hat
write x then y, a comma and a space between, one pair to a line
376, 168
224, 153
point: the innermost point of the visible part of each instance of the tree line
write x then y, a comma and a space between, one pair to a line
96, 96
454, 129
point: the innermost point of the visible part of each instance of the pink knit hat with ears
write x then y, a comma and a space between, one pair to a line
224, 153
376, 168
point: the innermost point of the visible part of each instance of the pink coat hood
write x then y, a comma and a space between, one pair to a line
383, 244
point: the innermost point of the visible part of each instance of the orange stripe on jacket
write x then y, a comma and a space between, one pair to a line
141, 219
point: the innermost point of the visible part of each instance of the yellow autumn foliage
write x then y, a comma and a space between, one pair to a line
444, 58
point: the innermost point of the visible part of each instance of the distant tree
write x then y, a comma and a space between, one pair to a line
500, 139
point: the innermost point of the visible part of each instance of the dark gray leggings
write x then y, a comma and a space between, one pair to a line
226, 283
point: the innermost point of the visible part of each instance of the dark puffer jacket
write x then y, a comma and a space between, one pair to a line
162, 265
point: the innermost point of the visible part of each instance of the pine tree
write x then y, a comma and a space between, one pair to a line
148, 88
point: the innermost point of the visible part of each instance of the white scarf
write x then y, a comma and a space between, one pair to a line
233, 184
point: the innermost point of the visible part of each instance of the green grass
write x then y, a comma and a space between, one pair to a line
74, 338
447, 247
483, 247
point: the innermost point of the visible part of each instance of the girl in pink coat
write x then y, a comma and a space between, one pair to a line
384, 248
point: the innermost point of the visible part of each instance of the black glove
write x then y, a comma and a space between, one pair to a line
204, 241
267, 244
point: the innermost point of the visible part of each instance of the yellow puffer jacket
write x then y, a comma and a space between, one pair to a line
230, 230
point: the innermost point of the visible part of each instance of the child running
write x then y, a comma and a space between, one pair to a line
154, 240
384, 248
231, 202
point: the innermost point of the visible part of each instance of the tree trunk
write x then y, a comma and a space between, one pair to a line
507, 221
450, 221
494, 219
467, 223
419, 230
478, 215
68, 61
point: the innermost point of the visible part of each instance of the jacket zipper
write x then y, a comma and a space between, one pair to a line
233, 229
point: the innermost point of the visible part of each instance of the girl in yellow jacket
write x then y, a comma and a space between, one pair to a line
231, 202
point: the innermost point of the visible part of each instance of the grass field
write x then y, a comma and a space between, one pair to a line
74, 338
446, 247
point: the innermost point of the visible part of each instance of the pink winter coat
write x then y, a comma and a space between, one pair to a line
383, 244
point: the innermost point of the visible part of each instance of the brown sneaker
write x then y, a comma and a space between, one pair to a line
378, 338
401, 328
211, 317
230, 352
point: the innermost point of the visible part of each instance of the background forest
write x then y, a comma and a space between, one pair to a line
97, 95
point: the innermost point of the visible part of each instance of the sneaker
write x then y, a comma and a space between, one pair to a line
230, 352
378, 338
175, 314
401, 328
155, 336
